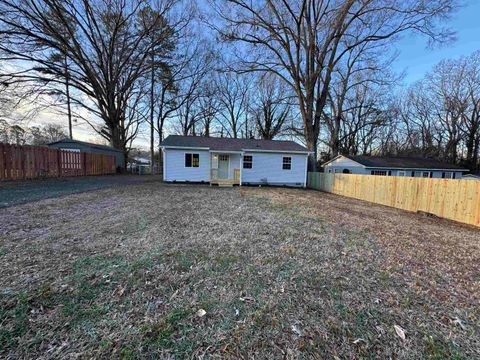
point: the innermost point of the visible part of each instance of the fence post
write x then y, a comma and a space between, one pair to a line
59, 162
2, 162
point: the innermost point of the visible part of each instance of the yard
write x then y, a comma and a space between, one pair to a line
181, 271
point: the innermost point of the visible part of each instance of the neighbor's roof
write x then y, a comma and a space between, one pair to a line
91, 145
228, 144
402, 162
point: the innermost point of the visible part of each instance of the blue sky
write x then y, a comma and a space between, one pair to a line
416, 59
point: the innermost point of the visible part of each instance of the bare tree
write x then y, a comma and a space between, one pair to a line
233, 98
271, 106
303, 41
108, 51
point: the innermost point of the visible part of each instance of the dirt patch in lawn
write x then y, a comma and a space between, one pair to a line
156, 270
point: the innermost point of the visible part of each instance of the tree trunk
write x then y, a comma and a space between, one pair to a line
312, 145
67, 92
152, 127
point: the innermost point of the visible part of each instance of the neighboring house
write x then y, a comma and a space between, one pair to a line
470, 177
76, 145
138, 165
226, 161
393, 166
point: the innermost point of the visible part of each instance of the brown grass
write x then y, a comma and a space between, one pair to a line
281, 273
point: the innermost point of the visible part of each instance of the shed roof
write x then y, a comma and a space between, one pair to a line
90, 145
400, 162
228, 144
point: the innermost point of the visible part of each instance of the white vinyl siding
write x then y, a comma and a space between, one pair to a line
268, 168
341, 164
175, 169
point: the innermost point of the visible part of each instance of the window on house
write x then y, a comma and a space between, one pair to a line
247, 161
192, 160
426, 174
379, 172
448, 175
287, 163
402, 173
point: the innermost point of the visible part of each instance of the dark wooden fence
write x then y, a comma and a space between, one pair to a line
31, 162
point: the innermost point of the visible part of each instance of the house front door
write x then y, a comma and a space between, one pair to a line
223, 163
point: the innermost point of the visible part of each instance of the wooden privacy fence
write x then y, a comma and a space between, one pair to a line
30, 162
457, 200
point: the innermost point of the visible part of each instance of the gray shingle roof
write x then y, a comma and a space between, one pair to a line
403, 162
228, 144
91, 145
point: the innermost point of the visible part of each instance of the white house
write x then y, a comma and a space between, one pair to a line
393, 166
471, 177
226, 161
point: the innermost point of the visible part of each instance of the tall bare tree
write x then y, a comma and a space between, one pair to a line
233, 100
303, 41
108, 51
271, 107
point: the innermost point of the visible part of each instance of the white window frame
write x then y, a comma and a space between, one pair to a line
401, 173
426, 173
451, 174
379, 173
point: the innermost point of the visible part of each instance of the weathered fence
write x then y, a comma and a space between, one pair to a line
30, 162
457, 200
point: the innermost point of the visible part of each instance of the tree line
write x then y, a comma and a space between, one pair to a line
315, 71
32, 135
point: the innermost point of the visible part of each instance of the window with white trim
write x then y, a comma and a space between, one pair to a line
379, 172
426, 174
287, 163
402, 173
448, 175
192, 160
247, 161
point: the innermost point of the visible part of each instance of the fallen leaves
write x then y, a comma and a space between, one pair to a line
400, 332
296, 329
201, 313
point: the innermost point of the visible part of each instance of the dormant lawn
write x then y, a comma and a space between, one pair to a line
182, 271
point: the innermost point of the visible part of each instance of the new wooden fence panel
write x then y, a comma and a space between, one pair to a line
457, 200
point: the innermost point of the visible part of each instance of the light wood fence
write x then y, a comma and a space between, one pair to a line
30, 162
457, 200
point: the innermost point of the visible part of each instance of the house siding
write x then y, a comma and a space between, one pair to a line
175, 170
267, 168
340, 164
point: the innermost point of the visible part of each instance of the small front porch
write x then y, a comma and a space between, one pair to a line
225, 168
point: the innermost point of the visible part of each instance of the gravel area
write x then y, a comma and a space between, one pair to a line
171, 271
